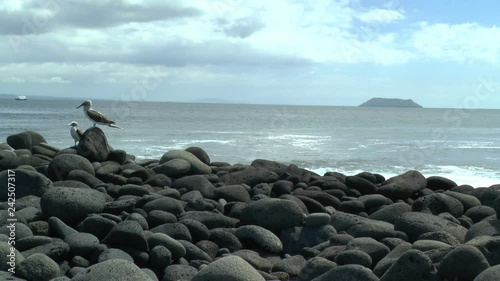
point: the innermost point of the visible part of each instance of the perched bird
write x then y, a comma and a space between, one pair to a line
95, 116
74, 131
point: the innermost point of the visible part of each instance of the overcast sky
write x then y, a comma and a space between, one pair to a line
438, 53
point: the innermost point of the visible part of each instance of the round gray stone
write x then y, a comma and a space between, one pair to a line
112, 270
261, 236
38, 267
229, 268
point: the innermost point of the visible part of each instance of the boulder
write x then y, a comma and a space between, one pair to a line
25, 140
93, 145
262, 237
490, 274
199, 153
403, 186
440, 183
71, 205
63, 164
294, 239
26, 183
197, 166
391, 212
272, 214
116, 269
175, 168
315, 267
463, 263
229, 268
8, 160
412, 263
438, 203
128, 234
415, 224
358, 226
250, 176
351, 272
196, 182
38, 267
176, 272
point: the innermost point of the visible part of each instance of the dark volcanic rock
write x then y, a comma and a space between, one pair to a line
177, 272
436, 183
38, 267
231, 268
117, 269
478, 213
8, 160
354, 257
415, 224
232, 193
199, 153
272, 214
315, 267
403, 186
349, 272
251, 176
127, 234
25, 140
364, 186
372, 247
196, 182
291, 265
489, 246
412, 264
93, 145
173, 168
210, 219
71, 205
26, 183
462, 264
358, 226
390, 213
197, 166
261, 237
296, 238
62, 164
438, 203
483, 228
166, 204
490, 274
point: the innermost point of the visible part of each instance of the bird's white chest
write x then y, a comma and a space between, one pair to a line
74, 133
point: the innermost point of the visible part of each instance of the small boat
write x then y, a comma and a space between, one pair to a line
21, 98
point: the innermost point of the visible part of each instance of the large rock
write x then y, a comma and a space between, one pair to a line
403, 186
296, 238
117, 269
391, 212
358, 226
197, 166
232, 193
8, 160
230, 268
93, 145
415, 224
490, 274
462, 264
26, 183
38, 267
260, 236
71, 205
315, 267
127, 234
438, 203
63, 164
440, 183
272, 214
173, 168
489, 246
483, 228
196, 182
199, 153
413, 265
25, 140
6, 254
251, 176
351, 272
210, 219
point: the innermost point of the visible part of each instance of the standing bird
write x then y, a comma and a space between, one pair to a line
75, 132
95, 116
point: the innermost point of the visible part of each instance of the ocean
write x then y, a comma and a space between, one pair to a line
461, 144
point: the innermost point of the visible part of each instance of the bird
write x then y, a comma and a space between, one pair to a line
75, 132
95, 116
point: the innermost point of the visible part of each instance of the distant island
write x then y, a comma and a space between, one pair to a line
383, 102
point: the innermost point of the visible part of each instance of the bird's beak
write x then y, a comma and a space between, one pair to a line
69, 124
80, 105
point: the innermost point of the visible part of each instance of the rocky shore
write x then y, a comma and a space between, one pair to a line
92, 213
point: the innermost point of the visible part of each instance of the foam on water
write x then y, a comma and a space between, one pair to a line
474, 176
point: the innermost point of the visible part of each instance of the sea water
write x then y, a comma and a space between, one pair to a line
463, 145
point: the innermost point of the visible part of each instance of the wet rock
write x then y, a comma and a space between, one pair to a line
390, 213
441, 236
57, 251
429, 245
228, 268
196, 182
71, 205
160, 257
127, 234
174, 230
199, 153
197, 166
27, 183
193, 252
173, 168
468, 201
352, 272
317, 219
272, 214
112, 254
489, 246
261, 237
225, 239
372, 247
315, 267
38, 267
412, 263
296, 238
97, 225
440, 183
25, 140
251, 176
462, 263
438, 203
210, 219
354, 257
166, 204
232, 193
415, 224
362, 185
478, 213
82, 244
8, 160
358, 226
160, 239
490, 274
291, 265
93, 145
112, 270
384, 264
483, 228
403, 186
177, 272
63, 164
197, 229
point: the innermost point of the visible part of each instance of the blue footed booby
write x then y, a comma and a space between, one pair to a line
95, 116
75, 132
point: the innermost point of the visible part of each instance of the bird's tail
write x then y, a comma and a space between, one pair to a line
114, 126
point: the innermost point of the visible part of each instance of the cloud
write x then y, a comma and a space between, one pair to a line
380, 16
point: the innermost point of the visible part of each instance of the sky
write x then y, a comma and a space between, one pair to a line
312, 52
